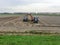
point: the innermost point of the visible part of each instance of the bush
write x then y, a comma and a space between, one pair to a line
35, 32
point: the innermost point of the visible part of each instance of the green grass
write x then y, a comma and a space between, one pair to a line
29, 40
7, 15
32, 14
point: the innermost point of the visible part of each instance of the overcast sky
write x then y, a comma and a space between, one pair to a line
29, 5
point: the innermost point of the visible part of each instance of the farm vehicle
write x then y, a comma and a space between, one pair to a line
30, 18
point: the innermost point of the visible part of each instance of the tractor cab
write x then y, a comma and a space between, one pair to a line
35, 20
25, 19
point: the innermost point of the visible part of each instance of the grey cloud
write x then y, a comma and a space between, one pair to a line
40, 5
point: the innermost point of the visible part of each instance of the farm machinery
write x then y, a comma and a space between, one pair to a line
30, 18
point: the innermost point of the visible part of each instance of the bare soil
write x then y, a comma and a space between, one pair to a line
49, 24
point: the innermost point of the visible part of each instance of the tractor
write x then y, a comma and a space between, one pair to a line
30, 18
